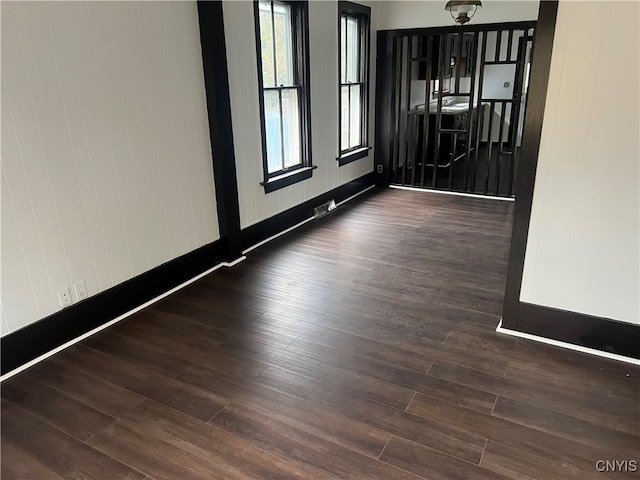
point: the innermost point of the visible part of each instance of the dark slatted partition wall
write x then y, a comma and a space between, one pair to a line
456, 100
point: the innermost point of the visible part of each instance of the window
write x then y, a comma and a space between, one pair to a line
283, 70
354, 81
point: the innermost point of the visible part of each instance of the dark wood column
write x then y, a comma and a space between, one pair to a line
216, 81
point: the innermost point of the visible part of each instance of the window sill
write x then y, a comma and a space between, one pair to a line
352, 156
286, 179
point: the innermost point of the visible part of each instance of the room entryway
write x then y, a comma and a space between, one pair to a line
456, 98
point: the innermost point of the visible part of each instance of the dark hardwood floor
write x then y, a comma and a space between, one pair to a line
360, 346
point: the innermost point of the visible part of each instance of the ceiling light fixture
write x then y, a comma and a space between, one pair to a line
462, 10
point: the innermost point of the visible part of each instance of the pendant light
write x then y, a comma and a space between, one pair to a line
462, 10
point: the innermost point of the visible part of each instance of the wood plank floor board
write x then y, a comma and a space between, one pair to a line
361, 345
605, 406
19, 465
232, 456
186, 398
428, 291
159, 458
440, 309
88, 389
210, 332
337, 340
350, 382
459, 394
616, 442
431, 464
614, 408
195, 351
56, 451
198, 301
322, 421
346, 359
69, 415
522, 464
587, 368
542, 444
431, 318
577, 370
298, 445
620, 390
139, 353
389, 335
375, 414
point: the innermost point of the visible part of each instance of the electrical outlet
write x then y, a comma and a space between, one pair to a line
80, 289
65, 298
379, 168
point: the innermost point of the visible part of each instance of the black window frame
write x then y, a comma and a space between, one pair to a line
363, 15
300, 39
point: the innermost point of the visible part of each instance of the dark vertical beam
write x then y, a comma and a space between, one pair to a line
518, 89
480, 127
472, 110
454, 147
404, 120
492, 107
397, 92
436, 137
509, 45
216, 82
384, 102
458, 62
503, 112
414, 125
498, 45
538, 82
427, 98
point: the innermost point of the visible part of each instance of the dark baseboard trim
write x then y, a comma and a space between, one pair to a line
34, 340
278, 223
598, 333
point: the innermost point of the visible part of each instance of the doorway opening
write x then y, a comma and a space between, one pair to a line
456, 98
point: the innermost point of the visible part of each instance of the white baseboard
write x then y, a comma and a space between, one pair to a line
568, 346
459, 194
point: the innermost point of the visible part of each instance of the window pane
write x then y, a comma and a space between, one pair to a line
343, 49
291, 128
355, 116
344, 118
353, 53
272, 130
284, 44
266, 44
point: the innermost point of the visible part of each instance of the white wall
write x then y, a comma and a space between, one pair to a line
431, 13
583, 247
106, 162
255, 205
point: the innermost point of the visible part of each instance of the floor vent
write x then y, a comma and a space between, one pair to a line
324, 209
